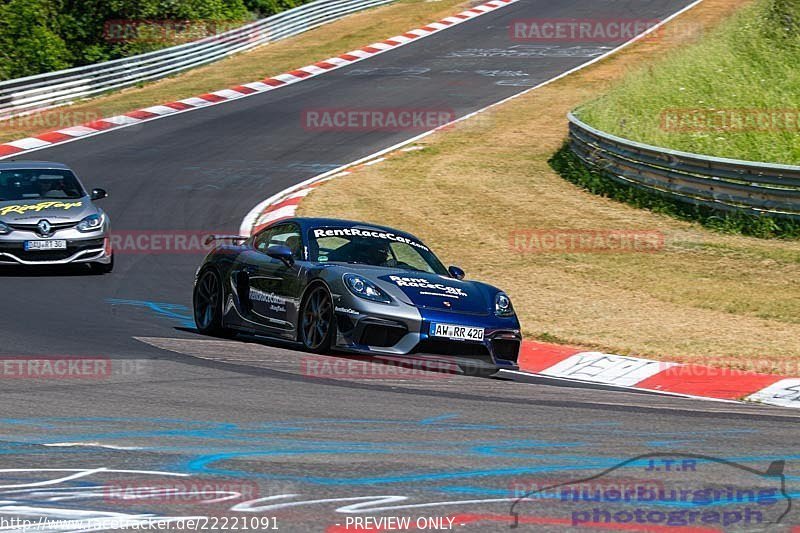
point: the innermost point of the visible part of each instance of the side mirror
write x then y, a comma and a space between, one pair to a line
98, 194
456, 272
281, 252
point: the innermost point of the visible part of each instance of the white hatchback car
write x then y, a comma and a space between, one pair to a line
48, 218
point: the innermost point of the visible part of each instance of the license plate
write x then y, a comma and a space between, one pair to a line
45, 245
452, 331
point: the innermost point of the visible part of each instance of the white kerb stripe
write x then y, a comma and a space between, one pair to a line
77, 131
195, 101
160, 110
785, 393
313, 69
336, 61
607, 368
121, 120
257, 86
28, 143
359, 53
230, 94
286, 78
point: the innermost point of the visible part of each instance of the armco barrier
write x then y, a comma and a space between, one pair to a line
42, 91
727, 184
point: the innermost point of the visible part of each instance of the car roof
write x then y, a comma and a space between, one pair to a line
32, 165
315, 222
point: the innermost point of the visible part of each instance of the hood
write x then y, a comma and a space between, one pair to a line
431, 291
32, 211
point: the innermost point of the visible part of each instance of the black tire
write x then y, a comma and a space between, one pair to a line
102, 268
207, 301
316, 322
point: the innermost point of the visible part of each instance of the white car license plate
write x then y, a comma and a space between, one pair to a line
452, 331
45, 245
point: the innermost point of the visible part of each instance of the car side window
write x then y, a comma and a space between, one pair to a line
285, 234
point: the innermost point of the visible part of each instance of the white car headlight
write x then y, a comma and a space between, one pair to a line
91, 223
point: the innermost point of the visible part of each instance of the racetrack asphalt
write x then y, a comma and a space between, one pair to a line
246, 411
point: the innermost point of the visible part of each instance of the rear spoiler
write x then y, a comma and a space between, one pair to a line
214, 238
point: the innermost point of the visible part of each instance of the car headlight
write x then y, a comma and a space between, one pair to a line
4, 229
363, 288
90, 223
502, 305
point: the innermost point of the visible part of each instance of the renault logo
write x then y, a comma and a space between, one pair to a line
45, 228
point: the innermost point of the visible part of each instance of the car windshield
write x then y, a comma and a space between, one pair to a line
374, 247
30, 184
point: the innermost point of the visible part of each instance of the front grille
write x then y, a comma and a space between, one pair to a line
17, 249
452, 348
35, 229
507, 349
381, 335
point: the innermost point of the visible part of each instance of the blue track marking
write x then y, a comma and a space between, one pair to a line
175, 312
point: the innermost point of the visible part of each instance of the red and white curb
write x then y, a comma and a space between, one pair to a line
45, 140
658, 376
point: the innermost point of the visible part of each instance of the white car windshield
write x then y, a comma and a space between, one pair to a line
30, 184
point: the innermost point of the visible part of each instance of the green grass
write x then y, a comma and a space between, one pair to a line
748, 63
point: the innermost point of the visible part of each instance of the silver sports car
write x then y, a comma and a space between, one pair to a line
48, 218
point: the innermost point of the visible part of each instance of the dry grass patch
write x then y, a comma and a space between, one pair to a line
705, 295
352, 32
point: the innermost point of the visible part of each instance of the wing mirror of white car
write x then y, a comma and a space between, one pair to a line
98, 194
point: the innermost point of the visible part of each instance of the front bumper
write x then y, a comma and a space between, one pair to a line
399, 331
91, 247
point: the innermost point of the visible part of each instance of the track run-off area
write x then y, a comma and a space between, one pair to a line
240, 435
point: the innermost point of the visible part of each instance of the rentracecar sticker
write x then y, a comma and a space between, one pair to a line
276, 303
421, 283
375, 234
